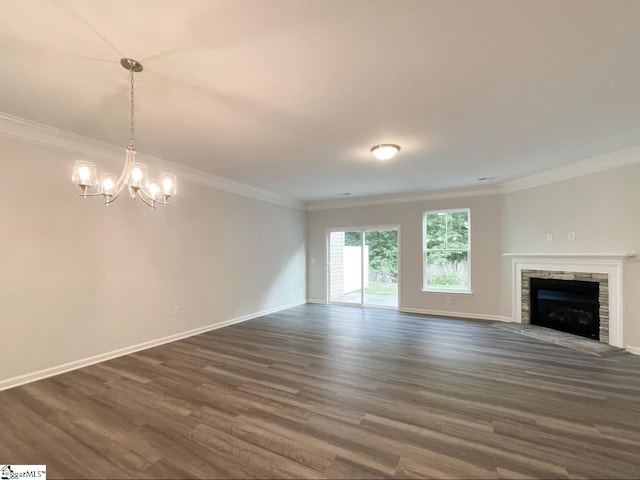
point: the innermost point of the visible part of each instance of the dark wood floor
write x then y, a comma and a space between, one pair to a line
335, 392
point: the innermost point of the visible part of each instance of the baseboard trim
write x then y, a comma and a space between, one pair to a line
315, 300
102, 357
461, 315
634, 350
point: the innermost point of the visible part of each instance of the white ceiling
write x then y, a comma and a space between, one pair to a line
289, 96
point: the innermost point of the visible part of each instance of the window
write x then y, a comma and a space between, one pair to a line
446, 245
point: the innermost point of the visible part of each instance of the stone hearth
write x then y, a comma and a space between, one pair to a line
575, 342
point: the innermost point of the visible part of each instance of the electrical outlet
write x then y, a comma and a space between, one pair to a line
313, 260
549, 237
571, 236
176, 310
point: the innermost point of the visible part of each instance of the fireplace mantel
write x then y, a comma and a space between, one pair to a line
574, 256
611, 264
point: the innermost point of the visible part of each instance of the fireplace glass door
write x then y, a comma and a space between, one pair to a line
567, 305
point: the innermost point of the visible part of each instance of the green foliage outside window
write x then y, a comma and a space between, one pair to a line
446, 236
352, 239
383, 255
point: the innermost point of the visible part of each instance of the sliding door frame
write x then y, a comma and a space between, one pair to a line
362, 230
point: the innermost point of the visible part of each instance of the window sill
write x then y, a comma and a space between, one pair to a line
447, 292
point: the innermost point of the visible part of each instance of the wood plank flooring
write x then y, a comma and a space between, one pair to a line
335, 392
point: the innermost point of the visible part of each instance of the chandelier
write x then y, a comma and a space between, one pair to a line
134, 175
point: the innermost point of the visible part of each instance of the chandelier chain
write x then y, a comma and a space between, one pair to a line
132, 111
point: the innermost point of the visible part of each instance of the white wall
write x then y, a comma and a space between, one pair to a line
80, 279
602, 209
488, 298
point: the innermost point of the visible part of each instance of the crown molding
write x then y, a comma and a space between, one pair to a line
572, 256
601, 163
402, 198
40, 134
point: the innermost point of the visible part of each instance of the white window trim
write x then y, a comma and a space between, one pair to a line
448, 291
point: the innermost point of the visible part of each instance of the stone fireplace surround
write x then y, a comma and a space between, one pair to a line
606, 269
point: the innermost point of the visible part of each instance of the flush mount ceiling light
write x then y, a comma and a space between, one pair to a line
133, 176
385, 151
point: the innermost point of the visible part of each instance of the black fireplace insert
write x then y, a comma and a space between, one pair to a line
567, 305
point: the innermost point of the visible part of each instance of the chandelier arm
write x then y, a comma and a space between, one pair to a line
89, 194
144, 196
122, 180
114, 197
129, 156
120, 183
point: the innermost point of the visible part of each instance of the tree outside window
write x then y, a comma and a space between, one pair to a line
446, 246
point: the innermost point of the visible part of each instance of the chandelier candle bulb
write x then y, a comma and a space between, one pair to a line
168, 182
83, 172
154, 189
154, 192
137, 177
84, 175
107, 183
108, 186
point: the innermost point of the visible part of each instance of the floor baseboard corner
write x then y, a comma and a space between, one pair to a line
102, 357
632, 349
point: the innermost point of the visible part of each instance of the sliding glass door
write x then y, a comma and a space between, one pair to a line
363, 266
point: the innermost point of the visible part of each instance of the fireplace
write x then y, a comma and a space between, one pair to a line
570, 306
604, 269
